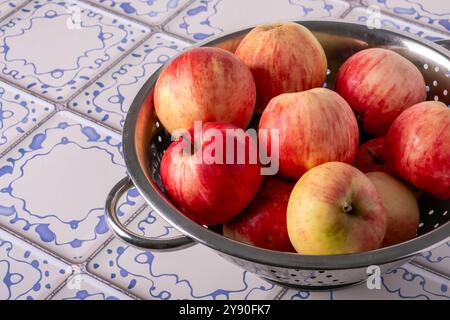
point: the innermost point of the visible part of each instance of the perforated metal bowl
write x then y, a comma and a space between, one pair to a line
144, 141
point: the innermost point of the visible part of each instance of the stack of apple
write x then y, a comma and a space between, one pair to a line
331, 195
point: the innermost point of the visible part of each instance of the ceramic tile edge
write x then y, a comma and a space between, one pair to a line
148, 24
6, 16
399, 18
64, 103
34, 127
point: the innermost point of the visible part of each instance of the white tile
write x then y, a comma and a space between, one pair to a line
55, 47
437, 259
193, 273
109, 98
26, 272
19, 112
434, 13
53, 186
84, 287
376, 19
406, 282
206, 18
7, 6
152, 12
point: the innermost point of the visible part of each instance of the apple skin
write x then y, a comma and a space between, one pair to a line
315, 126
283, 57
417, 147
370, 156
205, 84
263, 222
379, 84
209, 193
319, 218
401, 206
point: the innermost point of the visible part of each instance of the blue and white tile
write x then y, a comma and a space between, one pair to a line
374, 18
83, 287
406, 282
206, 18
193, 273
56, 47
435, 14
7, 6
152, 12
19, 112
109, 98
26, 272
53, 186
437, 259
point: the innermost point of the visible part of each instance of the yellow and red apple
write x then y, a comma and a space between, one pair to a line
314, 127
208, 183
402, 211
283, 57
263, 222
205, 84
418, 147
335, 209
379, 84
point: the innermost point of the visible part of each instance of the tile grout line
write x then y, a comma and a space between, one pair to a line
429, 270
421, 27
28, 133
18, 8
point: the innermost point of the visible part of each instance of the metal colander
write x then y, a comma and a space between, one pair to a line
144, 141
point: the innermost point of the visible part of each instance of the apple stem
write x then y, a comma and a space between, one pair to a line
347, 207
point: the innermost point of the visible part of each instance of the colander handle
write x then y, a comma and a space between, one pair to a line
132, 238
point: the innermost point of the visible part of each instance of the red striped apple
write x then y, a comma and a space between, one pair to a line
314, 127
370, 156
418, 147
335, 209
402, 211
283, 57
205, 84
379, 84
263, 222
202, 175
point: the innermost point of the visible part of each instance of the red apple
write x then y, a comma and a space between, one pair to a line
263, 223
283, 57
314, 127
379, 84
402, 211
207, 183
418, 147
370, 156
205, 84
335, 209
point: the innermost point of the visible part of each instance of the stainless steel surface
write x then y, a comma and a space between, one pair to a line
144, 141
135, 239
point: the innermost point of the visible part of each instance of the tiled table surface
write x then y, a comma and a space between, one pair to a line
68, 73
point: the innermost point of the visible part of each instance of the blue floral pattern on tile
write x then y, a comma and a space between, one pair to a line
406, 282
25, 272
180, 275
437, 259
152, 12
435, 14
109, 98
88, 41
370, 16
63, 154
19, 112
7, 6
206, 18
84, 287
